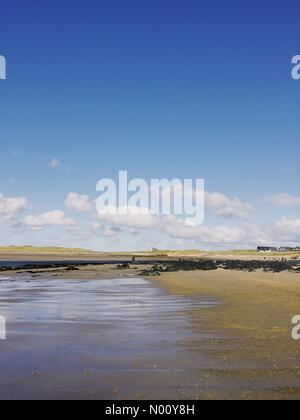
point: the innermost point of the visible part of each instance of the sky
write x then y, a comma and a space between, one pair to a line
175, 89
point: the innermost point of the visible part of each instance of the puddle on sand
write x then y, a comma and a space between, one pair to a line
118, 337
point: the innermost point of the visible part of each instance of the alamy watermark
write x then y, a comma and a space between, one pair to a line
296, 68
296, 329
159, 197
2, 67
2, 328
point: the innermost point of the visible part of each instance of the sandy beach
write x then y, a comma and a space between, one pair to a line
255, 356
229, 334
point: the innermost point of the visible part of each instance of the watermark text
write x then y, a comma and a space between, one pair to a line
160, 197
296, 329
2, 328
2, 67
296, 68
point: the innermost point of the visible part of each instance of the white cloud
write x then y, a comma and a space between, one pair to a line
176, 227
53, 218
220, 234
9, 206
131, 217
288, 229
228, 208
284, 200
219, 204
250, 235
54, 163
284, 231
142, 219
105, 231
79, 203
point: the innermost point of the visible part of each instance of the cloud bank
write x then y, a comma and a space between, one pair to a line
52, 218
10, 206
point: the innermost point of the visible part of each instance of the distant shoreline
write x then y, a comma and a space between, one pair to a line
155, 262
148, 266
37, 253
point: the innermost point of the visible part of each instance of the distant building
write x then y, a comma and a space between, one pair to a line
267, 249
287, 249
274, 249
153, 249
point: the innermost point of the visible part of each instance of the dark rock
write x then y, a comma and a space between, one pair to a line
124, 266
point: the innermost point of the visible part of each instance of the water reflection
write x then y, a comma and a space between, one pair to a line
102, 301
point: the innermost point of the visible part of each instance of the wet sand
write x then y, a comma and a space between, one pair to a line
121, 338
256, 356
175, 346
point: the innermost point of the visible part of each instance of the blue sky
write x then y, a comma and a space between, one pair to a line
188, 89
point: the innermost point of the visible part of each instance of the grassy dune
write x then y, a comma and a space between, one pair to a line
220, 254
163, 253
42, 250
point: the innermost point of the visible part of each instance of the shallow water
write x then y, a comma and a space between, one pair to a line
117, 338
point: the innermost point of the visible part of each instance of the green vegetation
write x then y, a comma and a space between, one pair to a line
43, 250
215, 254
254, 252
163, 253
157, 253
